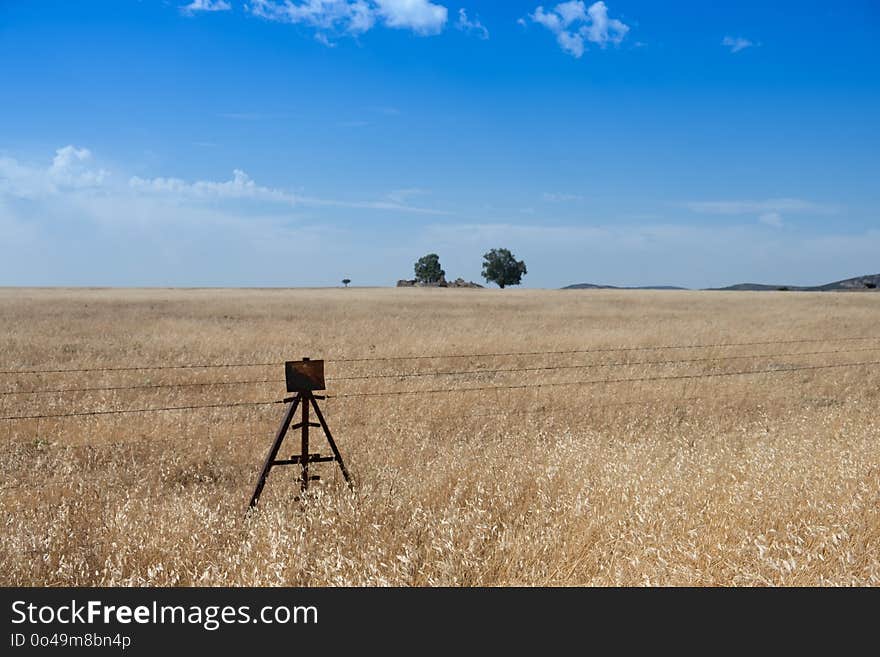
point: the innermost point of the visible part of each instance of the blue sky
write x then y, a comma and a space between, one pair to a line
221, 142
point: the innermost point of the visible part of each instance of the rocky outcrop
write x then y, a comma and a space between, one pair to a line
458, 282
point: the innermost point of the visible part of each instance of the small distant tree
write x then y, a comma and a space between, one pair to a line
428, 269
346, 281
501, 268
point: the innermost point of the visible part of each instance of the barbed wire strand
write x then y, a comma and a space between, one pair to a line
135, 368
599, 381
453, 390
601, 349
147, 386
598, 365
396, 375
140, 410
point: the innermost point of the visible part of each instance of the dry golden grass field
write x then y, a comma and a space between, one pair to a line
748, 479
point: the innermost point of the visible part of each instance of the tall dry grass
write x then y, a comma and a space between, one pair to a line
741, 480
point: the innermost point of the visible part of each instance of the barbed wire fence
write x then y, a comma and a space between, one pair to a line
473, 377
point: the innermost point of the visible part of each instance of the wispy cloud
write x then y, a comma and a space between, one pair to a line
387, 110
403, 195
575, 24
555, 197
252, 116
469, 26
72, 173
737, 43
770, 211
242, 187
331, 18
768, 205
323, 39
371, 205
771, 219
205, 5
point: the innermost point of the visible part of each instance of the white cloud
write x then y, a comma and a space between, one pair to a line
604, 30
572, 11
575, 24
571, 43
737, 43
551, 21
471, 26
348, 16
70, 169
353, 17
205, 5
241, 186
420, 16
362, 18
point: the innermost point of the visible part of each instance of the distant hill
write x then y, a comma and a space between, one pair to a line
591, 286
756, 287
871, 282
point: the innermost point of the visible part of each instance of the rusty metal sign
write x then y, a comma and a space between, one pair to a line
304, 375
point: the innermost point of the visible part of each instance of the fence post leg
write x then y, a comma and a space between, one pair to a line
333, 447
307, 399
273, 451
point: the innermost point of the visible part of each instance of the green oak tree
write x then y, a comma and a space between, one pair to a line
428, 269
501, 268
